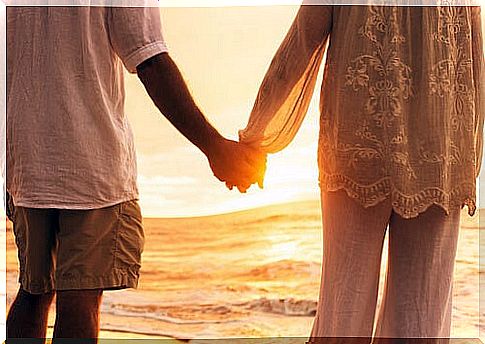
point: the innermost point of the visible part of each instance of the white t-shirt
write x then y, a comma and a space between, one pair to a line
69, 143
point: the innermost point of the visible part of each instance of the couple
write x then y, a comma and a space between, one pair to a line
402, 109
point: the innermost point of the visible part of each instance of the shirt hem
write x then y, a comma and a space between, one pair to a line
71, 206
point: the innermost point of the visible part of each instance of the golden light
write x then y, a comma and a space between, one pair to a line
283, 250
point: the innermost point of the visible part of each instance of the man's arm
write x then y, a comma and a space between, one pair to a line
168, 90
229, 160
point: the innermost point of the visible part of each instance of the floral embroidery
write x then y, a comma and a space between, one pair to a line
389, 86
374, 154
357, 76
450, 78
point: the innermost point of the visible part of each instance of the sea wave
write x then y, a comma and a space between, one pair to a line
195, 314
178, 314
284, 218
283, 268
288, 306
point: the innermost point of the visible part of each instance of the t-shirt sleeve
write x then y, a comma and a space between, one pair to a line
135, 34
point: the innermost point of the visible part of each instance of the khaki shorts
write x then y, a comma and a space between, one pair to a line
78, 249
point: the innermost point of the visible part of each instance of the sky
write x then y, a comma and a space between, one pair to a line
223, 53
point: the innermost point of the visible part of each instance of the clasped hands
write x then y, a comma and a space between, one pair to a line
237, 164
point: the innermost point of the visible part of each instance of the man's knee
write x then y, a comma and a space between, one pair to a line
27, 317
79, 300
36, 300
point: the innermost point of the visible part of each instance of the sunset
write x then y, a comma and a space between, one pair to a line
223, 62
125, 124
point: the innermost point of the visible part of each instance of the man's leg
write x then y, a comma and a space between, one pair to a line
99, 249
353, 240
78, 314
28, 314
35, 236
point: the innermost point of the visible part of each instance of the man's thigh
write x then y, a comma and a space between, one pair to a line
101, 248
35, 233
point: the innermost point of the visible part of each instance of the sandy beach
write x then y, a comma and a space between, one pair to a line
252, 274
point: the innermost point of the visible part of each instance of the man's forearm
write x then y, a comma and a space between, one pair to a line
168, 90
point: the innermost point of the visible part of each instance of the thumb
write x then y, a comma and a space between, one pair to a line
261, 181
262, 174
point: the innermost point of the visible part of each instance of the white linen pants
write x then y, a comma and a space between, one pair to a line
418, 287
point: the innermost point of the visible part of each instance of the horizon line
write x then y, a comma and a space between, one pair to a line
233, 211
253, 208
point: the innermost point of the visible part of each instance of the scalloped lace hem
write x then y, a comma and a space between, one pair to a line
407, 206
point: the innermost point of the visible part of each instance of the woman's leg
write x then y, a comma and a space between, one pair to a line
353, 238
418, 288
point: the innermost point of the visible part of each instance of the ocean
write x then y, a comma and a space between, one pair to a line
249, 274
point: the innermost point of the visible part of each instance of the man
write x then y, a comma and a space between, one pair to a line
71, 167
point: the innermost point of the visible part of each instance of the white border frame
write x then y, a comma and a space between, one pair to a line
181, 3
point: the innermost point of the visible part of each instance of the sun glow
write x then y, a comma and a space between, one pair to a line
283, 250
223, 62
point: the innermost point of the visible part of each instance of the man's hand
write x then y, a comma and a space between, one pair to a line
237, 164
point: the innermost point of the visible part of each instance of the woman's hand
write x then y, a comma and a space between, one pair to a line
237, 164
259, 165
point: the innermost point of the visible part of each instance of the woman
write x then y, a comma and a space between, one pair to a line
402, 110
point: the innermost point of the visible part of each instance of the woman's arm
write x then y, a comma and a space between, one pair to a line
285, 94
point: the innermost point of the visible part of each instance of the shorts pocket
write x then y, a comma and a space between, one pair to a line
130, 237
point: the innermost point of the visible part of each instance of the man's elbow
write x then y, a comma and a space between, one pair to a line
152, 66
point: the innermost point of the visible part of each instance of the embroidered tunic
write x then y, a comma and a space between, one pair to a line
402, 102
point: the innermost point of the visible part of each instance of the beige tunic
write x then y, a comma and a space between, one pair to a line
402, 102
